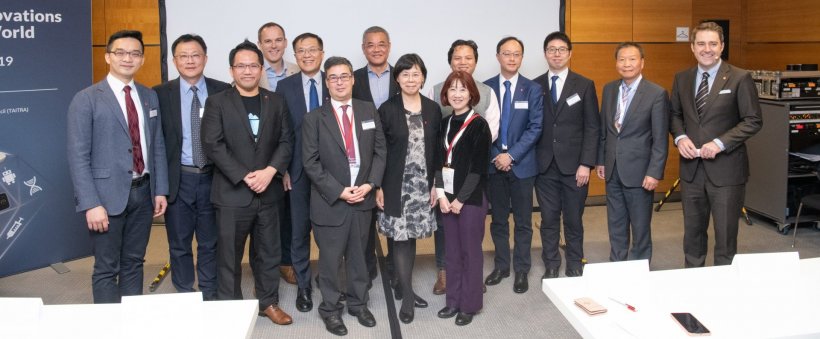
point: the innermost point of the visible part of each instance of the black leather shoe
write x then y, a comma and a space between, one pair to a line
550, 273
364, 316
496, 276
335, 325
447, 312
419, 302
464, 318
574, 273
521, 284
304, 301
406, 317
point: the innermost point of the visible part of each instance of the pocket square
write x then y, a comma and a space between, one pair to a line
725, 91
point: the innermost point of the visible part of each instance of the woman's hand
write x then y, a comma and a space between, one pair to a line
455, 206
380, 199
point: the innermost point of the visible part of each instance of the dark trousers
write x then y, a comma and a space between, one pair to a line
191, 214
119, 252
337, 244
261, 222
559, 195
438, 241
370, 247
507, 192
300, 230
285, 229
465, 260
700, 197
629, 215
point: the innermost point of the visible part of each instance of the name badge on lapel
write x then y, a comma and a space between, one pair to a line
574, 99
725, 91
201, 112
522, 105
369, 124
152, 113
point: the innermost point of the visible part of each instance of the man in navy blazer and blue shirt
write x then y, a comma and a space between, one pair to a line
303, 92
190, 211
513, 168
116, 157
566, 153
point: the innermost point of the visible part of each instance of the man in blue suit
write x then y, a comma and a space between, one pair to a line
304, 92
513, 168
116, 156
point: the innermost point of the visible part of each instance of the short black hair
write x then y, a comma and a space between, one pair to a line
504, 41
122, 35
628, 44
461, 42
406, 62
336, 61
245, 46
559, 36
188, 38
304, 36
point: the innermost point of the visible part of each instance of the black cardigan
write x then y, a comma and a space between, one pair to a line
471, 158
394, 125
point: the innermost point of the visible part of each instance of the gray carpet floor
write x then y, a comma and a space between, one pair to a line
505, 314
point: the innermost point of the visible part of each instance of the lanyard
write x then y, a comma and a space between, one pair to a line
470, 117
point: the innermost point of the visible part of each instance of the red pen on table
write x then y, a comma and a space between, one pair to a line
628, 306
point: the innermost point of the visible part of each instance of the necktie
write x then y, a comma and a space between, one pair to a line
196, 123
703, 91
621, 110
314, 96
134, 131
505, 113
348, 135
554, 90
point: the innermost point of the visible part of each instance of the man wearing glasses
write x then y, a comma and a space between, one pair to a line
303, 92
116, 156
344, 156
246, 132
566, 153
190, 211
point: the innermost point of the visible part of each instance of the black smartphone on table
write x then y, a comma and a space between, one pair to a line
691, 324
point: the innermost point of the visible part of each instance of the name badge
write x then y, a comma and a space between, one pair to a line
369, 124
152, 113
574, 99
201, 112
725, 91
522, 105
448, 174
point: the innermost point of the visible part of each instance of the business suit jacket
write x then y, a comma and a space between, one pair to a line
170, 105
732, 114
570, 133
228, 141
99, 148
291, 89
525, 126
291, 70
641, 147
326, 163
396, 134
361, 86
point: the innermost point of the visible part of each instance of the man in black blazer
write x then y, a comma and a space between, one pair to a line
344, 157
246, 132
303, 92
190, 211
715, 109
566, 153
632, 154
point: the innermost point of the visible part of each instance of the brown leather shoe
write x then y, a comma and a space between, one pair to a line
288, 274
277, 315
441, 283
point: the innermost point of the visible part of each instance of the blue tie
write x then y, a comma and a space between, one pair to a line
505, 114
554, 90
314, 96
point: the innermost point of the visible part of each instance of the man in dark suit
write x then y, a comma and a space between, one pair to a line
375, 83
343, 150
632, 154
513, 169
246, 132
714, 109
116, 156
189, 172
303, 92
566, 152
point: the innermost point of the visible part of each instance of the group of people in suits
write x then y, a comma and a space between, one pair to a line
290, 149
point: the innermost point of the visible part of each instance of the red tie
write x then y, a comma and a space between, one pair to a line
348, 135
134, 131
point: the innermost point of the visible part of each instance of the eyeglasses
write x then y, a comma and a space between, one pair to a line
243, 67
408, 76
515, 55
185, 57
345, 77
310, 51
559, 51
120, 53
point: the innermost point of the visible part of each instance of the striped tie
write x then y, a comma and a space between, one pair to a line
703, 91
621, 109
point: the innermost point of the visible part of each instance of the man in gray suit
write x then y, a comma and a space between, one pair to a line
116, 156
343, 151
714, 109
632, 154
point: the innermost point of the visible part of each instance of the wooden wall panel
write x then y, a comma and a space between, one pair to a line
775, 57
782, 21
98, 36
601, 20
141, 15
655, 21
662, 61
595, 61
729, 10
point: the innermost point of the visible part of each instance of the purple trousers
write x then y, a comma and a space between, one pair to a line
463, 234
